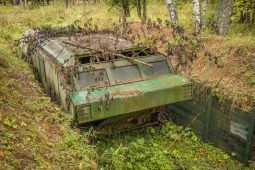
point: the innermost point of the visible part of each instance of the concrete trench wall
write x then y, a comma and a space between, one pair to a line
230, 130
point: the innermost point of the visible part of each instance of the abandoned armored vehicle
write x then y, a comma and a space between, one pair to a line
99, 76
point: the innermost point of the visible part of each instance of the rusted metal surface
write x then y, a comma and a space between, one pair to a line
99, 76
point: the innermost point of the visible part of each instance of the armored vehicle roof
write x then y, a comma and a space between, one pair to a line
66, 49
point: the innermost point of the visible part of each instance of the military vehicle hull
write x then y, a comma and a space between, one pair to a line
131, 97
98, 90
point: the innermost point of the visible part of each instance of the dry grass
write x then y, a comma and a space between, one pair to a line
227, 65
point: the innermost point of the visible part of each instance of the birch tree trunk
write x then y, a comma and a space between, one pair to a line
172, 8
25, 4
22, 4
224, 16
196, 13
203, 14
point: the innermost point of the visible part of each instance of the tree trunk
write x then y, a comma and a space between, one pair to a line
203, 14
144, 10
66, 3
172, 8
248, 17
196, 13
139, 8
253, 12
22, 4
242, 18
253, 17
25, 4
224, 16
125, 7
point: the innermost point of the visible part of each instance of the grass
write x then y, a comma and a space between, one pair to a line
35, 132
161, 148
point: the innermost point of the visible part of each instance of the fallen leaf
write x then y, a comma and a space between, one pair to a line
4, 99
1, 153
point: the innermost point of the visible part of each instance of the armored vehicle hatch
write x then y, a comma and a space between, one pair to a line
100, 76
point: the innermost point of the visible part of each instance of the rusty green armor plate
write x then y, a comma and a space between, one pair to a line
99, 76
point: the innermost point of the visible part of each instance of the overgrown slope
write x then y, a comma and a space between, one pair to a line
227, 65
34, 130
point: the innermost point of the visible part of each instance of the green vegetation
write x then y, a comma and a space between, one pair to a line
166, 147
35, 133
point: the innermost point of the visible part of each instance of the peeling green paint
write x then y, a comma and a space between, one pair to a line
132, 97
